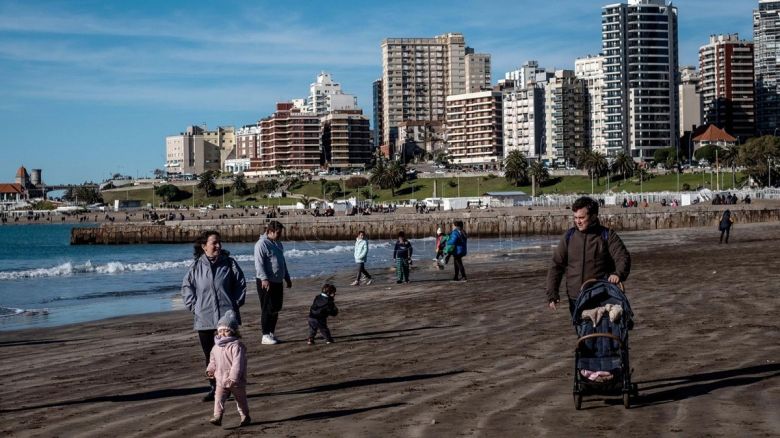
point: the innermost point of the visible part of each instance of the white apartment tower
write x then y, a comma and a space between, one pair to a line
474, 130
527, 73
766, 33
524, 119
326, 96
727, 84
640, 49
417, 76
591, 71
690, 100
565, 115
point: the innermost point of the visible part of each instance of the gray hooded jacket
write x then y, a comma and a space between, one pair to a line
269, 260
210, 291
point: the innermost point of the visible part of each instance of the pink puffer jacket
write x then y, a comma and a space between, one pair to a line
228, 361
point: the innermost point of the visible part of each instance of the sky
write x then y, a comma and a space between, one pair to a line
92, 87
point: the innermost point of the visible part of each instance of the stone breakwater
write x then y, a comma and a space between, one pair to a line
478, 223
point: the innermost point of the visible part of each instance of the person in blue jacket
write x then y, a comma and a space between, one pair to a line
458, 240
361, 256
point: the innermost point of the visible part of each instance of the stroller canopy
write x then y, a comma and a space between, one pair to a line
598, 294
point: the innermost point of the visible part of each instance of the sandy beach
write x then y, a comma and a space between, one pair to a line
435, 358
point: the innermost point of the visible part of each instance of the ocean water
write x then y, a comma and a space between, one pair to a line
44, 281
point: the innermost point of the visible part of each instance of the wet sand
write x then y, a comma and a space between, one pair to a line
435, 358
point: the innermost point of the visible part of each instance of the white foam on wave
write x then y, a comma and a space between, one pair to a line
68, 268
11, 311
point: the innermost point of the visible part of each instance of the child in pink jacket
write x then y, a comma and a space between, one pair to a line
227, 364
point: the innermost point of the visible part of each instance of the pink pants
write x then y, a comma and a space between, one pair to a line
221, 395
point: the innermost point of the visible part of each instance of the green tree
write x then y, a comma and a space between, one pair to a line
207, 182
397, 174
539, 173
661, 156
729, 156
168, 192
332, 189
239, 185
756, 154
707, 152
594, 162
516, 168
624, 165
83, 194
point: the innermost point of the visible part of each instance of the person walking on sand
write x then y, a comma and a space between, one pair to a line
458, 240
361, 256
586, 251
271, 270
725, 225
324, 305
441, 243
227, 366
402, 254
213, 286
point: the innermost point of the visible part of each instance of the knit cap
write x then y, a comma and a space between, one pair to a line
228, 320
438, 230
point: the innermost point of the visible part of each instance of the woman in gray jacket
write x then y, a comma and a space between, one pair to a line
213, 285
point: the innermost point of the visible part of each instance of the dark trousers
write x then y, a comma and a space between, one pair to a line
207, 342
362, 271
321, 325
460, 271
402, 269
571, 306
271, 301
726, 231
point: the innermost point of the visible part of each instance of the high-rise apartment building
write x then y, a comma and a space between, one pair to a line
289, 140
378, 112
639, 45
477, 71
565, 116
690, 100
326, 96
529, 72
417, 76
591, 71
345, 139
474, 128
197, 149
766, 34
727, 84
524, 118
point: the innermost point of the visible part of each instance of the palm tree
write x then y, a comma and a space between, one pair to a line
516, 168
397, 176
730, 157
239, 186
207, 182
594, 162
624, 165
539, 173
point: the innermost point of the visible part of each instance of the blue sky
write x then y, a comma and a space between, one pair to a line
89, 88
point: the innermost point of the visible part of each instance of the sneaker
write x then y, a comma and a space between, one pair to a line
355, 283
209, 396
267, 340
398, 282
330, 341
273, 336
369, 281
216, 421
310, 341
246, 421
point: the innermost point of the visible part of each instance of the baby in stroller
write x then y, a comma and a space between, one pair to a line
602, 318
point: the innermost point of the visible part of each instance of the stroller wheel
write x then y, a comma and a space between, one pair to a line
626, 400
578, 401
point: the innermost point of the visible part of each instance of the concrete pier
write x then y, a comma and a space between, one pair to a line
478, 223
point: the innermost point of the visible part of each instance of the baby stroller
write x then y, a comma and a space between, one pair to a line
601, 363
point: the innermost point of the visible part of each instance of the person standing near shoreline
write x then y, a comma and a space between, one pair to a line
361, 256
725, 225
402, 254
213, 285
271, 271
586, 251
457, 241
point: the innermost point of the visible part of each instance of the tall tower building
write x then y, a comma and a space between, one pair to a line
477, 71
726, 85
417, 76
565, 97
591, 71
377, 89
639, 44
766, 33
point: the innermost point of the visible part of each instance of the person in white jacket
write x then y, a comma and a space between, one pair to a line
361, 255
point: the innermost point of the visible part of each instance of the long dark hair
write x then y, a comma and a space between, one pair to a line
197, 249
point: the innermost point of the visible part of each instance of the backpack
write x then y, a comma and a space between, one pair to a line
604, 234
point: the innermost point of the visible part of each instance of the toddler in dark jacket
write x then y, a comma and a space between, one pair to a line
323, 306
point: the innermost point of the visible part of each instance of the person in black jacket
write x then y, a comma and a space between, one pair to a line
725, 225
402, 254
322, 307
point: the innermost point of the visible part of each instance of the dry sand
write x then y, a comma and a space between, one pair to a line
434, 358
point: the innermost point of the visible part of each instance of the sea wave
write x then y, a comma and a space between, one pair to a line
6, 312
114, 294
69, 268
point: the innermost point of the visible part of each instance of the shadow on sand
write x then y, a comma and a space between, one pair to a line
138, 396
324, 415
36, 342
